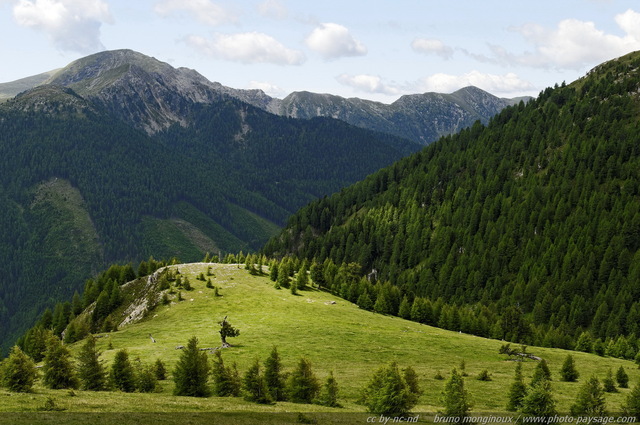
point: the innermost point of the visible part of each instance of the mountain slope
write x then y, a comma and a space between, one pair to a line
334, 335
422, 118
535, 216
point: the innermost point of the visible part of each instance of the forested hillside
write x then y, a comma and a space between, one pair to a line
80, 188
527, 229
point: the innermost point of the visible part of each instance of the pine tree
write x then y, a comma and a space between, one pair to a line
274, 377
622, 378
329, 393
517, 391
58, 368
122, 375
632, 403
147, 379
539, 400
18, 371
302, 386
405, 309
253, 386
568, 372
590, 400
411, 379
454, 397
223, 385
90, 369
160, 370
191, 372
387, 393
302, 279
609, 384
541, 373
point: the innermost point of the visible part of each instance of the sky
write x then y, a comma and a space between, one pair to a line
352, 48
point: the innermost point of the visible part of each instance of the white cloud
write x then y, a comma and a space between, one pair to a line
72, 25
574, 44
205, 11
368, 84
270, 89
250, 47
333, 41
432, 46
274, 9
507, 84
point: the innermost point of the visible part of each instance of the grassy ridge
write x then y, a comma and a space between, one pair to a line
336, 337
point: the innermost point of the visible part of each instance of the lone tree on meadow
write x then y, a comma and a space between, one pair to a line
568, 372
227, 331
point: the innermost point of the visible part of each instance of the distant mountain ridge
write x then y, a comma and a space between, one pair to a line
156, 95
422, 118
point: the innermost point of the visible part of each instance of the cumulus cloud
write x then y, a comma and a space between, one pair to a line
205, 11
506, 84
369, 84
432, 46
574, 44
72, 25
333, 41
270, 89
274, 9
250, 47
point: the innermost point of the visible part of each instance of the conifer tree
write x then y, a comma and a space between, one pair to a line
18, 371
329, 393
632, 403
590, 400
223, 385
253, 386
411, 379
568, 372
517, 391
302, 386
609, 384
90, 369
387, 393
454, 397
160, 370
541, 373
302, 279
191, 372
584, 343
273, 376
405, 309
273, 271
147, 379
122, 374
539, 400
622, 378
58, 368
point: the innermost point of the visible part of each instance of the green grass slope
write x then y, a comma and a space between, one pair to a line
333, 334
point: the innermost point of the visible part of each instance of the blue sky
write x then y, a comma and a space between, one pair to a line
353, 48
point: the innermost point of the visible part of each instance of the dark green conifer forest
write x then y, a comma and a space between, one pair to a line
526, 229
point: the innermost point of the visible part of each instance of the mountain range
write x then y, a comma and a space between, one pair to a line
163, 95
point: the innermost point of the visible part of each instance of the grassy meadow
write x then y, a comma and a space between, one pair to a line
332, 333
